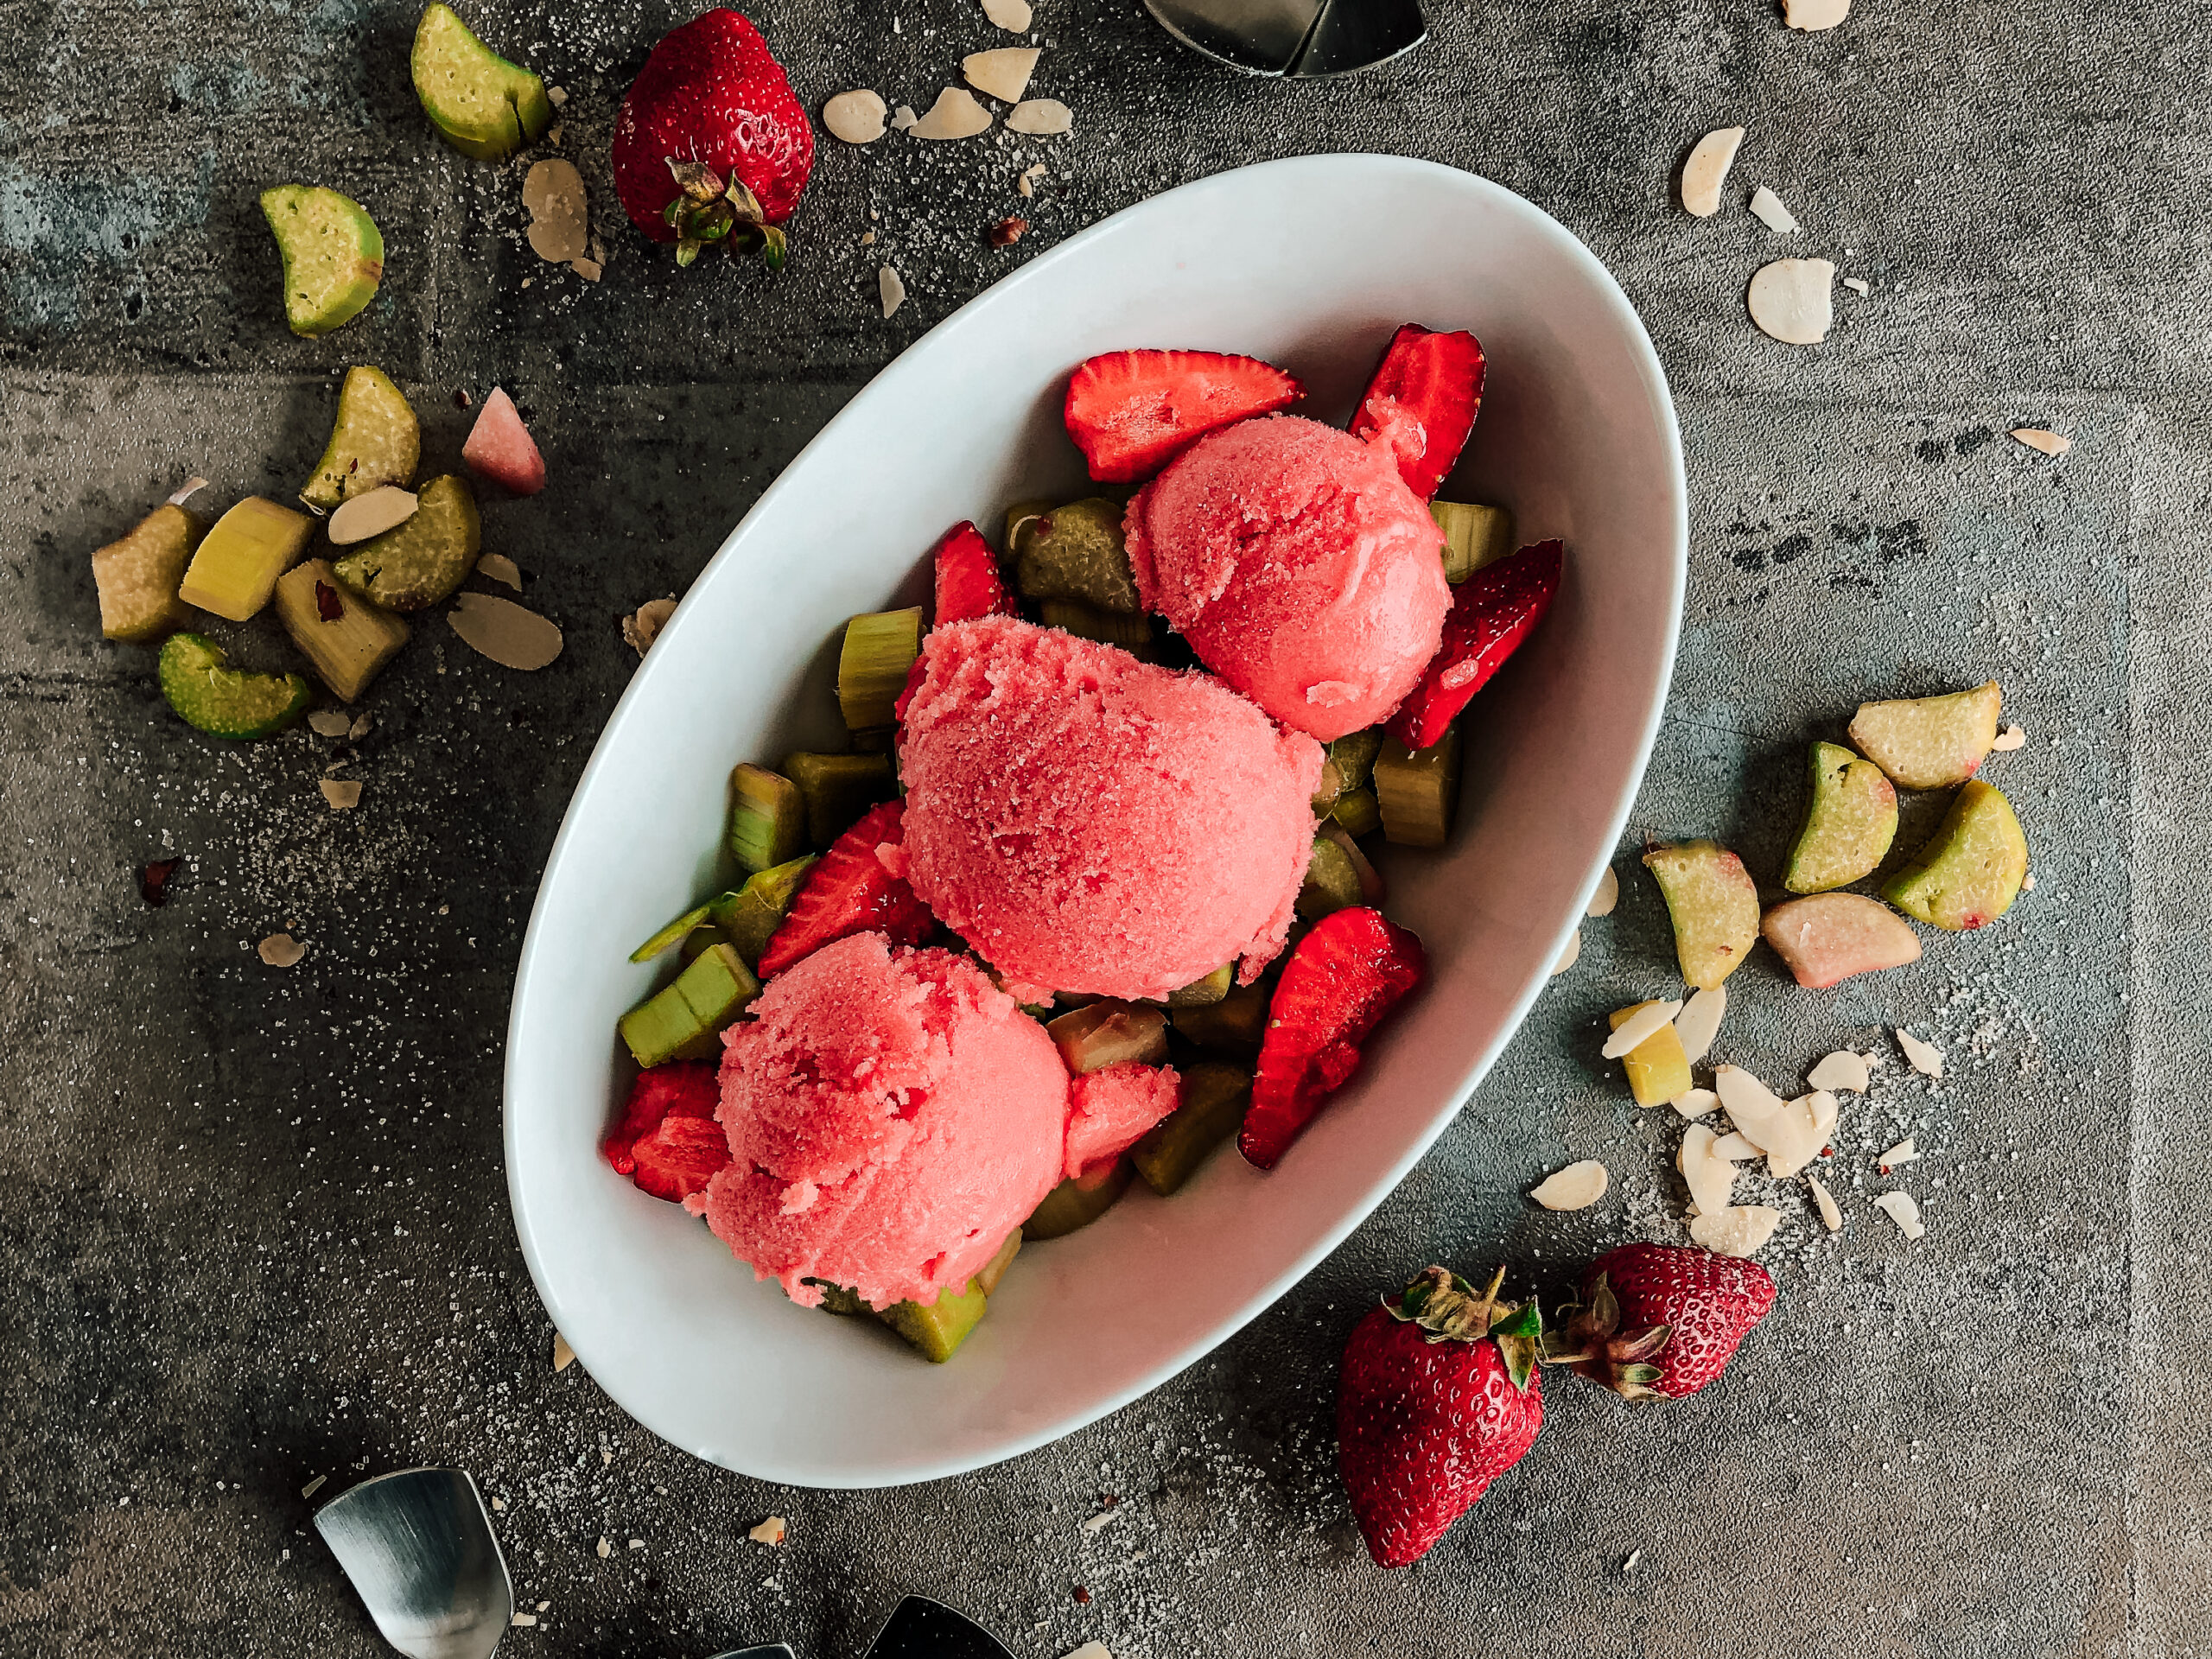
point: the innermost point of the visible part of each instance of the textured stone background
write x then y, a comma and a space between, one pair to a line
257, 1220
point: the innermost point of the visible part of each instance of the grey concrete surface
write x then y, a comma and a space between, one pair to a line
255, 1221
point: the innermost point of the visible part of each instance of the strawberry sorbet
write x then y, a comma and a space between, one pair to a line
892, 1114
1109, 1109
1300, 567
1092, 823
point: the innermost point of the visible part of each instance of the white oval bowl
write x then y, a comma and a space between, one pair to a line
1310, 264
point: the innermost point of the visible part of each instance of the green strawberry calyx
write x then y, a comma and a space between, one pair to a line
1447, 1308
708, 208
1594, 1343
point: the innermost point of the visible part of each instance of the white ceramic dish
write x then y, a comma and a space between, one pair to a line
1577, 435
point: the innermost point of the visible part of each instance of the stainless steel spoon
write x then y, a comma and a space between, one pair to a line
1299, 39
419, 1548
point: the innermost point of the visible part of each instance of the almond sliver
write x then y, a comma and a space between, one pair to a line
1576, 1187
1842, 1070
1740, 1230
1044, 118
1900, 1208
1645, 1022
504, 631
1831, 1218
1707, 169
955, 115
1003, 73
1699, 1023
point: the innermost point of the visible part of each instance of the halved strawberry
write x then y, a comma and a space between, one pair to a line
1132, 412
968, 584
1493, 611
499, 447
680, 1157
1421, 405
851, 891
680, 1089
1344, 978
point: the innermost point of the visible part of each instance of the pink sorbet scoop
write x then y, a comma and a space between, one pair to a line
1300, 567
1092, 823
892, 1114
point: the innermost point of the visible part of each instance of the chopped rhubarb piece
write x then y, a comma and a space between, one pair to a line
853, 890
680, 1089
1344, 977
968, 584
1132, 412
499, 447
1421, 405
1492, 612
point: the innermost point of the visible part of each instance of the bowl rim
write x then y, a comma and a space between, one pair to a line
1645, 359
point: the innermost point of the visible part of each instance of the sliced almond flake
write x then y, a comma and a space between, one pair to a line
1842, 1070
313, 1486
1736, 1148
1768, 209
186, 490
1740, 1230
1026, 184
563, 1356
891, 289
360, 729
1709, 1177
1013, 16
1570, 955
1904, 1153
329, 722
1699, 1022
1900, 1208
1831, 1218
1924, 1057
1707, 169
560, 227
770, 1531
500, 567
282, 950
524, 1621
2028, 882
590, 269
556, 95
1694, 1102
856, 117
1576, 1187
2049, 444
1790, 301
1040, 117
955, 115
1815, 14
1089, 1650
344, 795
903, 118
1098, 1522
1790, 1133
1631, 1032
370, 513
1003, 71
1607, 895
1858, 285
502, 630
642, 626
604, 1549
2010, 739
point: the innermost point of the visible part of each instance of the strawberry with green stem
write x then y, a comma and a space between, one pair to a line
712, 144
1659, 1321
1440, 1396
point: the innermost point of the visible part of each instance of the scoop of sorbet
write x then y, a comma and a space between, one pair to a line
1092, 823
892, 1116
1300, 567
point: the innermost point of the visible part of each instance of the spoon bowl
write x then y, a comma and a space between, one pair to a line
419, 1549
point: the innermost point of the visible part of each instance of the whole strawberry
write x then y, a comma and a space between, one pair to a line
712, 145
1661, 1319
1440, 1396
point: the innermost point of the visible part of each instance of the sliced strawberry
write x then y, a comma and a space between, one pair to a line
851, 891
1132, 412
680, 1157
968, 582
1349, 971
499, 447
1493, 611
907, 691
680, 1089
1421, 405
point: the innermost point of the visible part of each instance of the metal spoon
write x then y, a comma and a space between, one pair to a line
1295, 38
419, 1549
